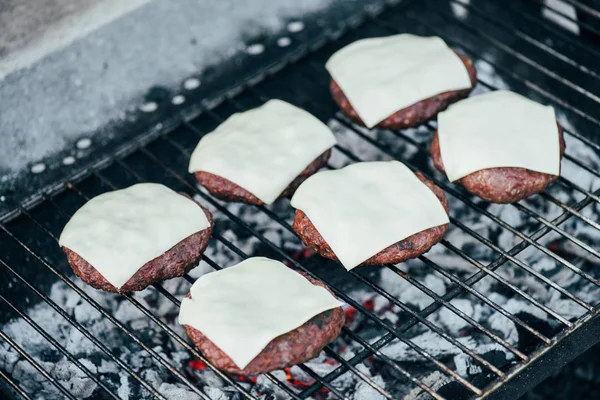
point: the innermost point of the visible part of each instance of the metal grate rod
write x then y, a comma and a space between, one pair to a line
520, 56
36, 365
567, 37
584, 7
14, 385
520, 34
551, 7
80, 328
59, 347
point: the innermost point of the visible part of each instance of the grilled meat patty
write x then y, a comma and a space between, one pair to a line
501, 185
294, 347
176, 261
226, 190
411, 247
413, 115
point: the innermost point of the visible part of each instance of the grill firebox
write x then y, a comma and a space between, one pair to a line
532, 265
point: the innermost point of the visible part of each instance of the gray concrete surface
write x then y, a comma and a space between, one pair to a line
69, 68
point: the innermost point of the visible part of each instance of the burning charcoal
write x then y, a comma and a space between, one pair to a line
213, 394
363, 390
430, 342
451, 321
74, 379
435, 380
177, 392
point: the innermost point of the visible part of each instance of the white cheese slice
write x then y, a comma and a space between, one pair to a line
380, 76
365, 207
120, 231
498, 129
243, 308
263, 150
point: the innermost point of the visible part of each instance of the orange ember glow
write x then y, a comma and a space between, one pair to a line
243, 378
300, 384
198, 365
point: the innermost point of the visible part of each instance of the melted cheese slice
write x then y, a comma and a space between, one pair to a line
243, 308
263, 150
498, 129
365, 207
118, 232
380, 76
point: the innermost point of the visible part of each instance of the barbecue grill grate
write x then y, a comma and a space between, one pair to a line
553, 70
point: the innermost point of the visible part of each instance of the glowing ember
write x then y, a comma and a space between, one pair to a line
298, 383
198, 365
299, 255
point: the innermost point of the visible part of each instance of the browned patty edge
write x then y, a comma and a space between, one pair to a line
291, 348
411, 247
501, 185
224, 189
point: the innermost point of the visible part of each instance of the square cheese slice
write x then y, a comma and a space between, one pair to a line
380, 76
264, 149
243, 308
498, 129
365, 207
120, 231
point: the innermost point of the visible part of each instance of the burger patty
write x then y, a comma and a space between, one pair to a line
226, 190
176, 261
413, 115
294, 347
501, 185
411, 247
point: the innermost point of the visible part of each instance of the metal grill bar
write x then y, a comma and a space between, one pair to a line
36, 365
78, 326
522, 35
562, 14
14, 385
520, 56
585, 8
570, 38
59, 347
